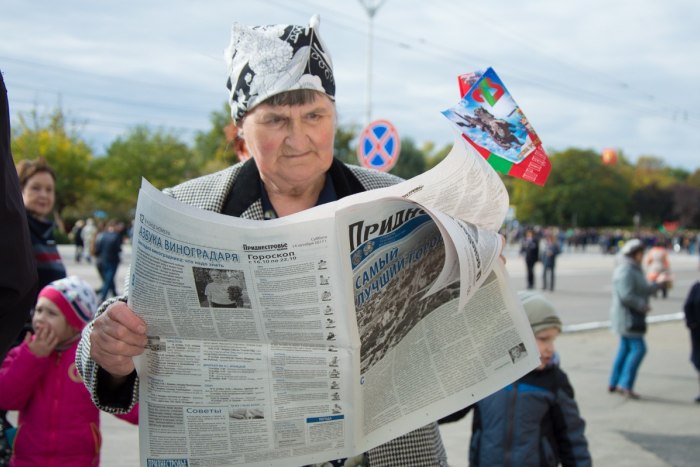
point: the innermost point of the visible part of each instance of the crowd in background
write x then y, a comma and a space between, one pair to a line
606, 240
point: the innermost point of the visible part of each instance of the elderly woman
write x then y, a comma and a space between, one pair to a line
630, 305
282, 100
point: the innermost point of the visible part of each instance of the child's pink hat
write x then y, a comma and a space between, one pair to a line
75, 298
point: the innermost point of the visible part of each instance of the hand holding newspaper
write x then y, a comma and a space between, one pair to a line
323, 334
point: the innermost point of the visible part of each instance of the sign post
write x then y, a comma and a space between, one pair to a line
379, 146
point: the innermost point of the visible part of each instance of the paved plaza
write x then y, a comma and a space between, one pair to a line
661, 429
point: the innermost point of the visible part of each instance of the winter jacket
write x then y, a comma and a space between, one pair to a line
58, 424
532, 422
48, 261
630, 291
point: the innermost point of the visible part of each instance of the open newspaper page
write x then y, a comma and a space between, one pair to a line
269, 343
428, 350
251, 357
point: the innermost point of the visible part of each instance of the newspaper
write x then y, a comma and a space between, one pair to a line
321, 335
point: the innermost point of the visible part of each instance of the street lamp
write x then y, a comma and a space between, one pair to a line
371, 7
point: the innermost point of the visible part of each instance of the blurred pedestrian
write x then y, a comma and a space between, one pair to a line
76, 234
630, 305
58, 423
549, 257
692, 320
88, 235
530, 249
108, 247
656, 262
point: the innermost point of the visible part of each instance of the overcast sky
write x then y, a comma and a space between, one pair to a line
590, 74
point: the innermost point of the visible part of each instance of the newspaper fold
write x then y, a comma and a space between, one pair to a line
324, 334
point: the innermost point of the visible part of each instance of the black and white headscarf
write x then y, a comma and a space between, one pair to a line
267, 60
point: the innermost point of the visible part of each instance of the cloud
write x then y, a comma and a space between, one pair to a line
590, 74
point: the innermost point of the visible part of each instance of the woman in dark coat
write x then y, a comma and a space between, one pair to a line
692, 320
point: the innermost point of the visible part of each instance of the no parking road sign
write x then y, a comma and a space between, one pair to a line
379, 146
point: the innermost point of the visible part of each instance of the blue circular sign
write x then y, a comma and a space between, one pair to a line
379, 146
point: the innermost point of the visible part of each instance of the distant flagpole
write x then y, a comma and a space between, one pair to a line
371, 7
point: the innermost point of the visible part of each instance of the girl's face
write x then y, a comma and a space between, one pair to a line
47, 314
39, 194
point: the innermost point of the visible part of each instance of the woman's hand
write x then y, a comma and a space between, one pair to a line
117, 336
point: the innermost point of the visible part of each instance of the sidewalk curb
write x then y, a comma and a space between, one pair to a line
595, 325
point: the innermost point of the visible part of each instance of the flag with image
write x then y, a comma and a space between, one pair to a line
494, 125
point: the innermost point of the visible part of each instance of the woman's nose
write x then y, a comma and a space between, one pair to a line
296, 135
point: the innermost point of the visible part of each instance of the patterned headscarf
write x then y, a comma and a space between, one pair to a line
268, 60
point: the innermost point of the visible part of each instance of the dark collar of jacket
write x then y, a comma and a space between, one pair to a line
246, 189
40, 229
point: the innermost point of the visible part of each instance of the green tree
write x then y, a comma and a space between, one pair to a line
653, 203
650, 170
580, 191
694, 179
55, 139
686, 205
157, 155
344, 148
211, 150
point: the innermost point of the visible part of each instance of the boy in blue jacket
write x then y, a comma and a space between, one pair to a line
534, 421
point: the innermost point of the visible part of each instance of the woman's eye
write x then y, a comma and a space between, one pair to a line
276, 120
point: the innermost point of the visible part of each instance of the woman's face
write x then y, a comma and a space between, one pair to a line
39, 194
292, 145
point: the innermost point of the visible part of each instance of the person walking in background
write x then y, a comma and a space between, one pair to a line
76, 234
108, 248
656, 262
534, 421
88, 235
58, 422
691, 308
549, 256
630, 305
530, 249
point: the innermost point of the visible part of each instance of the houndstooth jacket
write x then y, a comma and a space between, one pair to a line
235, 191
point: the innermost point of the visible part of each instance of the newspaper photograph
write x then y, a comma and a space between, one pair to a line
320, 335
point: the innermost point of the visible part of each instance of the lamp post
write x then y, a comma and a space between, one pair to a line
371, 7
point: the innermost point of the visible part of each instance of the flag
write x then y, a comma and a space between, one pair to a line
491, 121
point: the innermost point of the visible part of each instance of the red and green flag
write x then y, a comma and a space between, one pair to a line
491, 121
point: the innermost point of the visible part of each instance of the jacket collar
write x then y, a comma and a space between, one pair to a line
246, 190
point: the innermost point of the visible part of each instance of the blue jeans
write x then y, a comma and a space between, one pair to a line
629, 358
109, 272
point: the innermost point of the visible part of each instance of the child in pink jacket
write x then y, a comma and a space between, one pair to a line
58, 423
